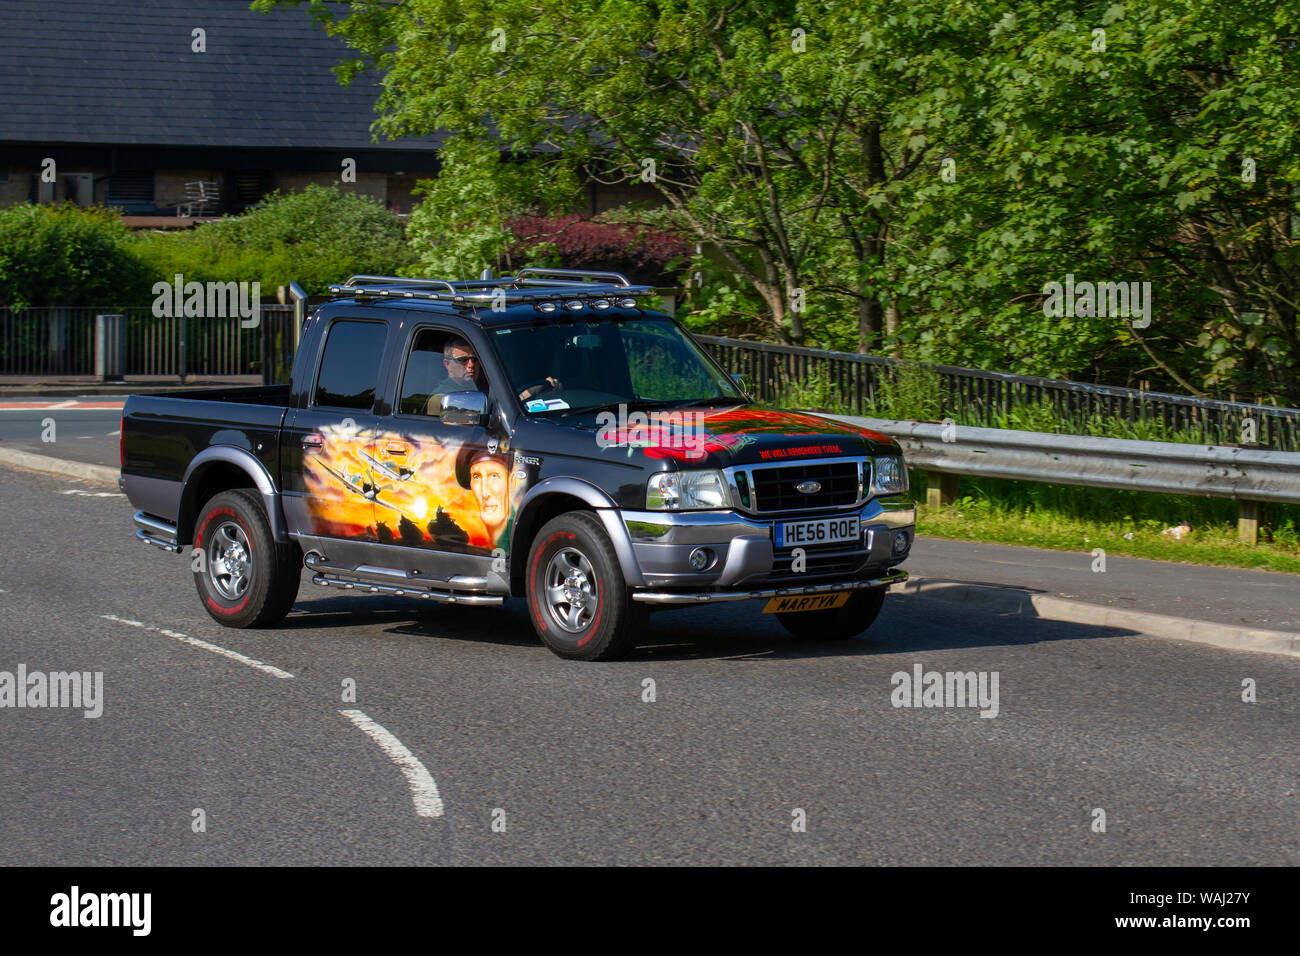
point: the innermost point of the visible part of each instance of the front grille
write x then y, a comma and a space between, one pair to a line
774, 488
820, 560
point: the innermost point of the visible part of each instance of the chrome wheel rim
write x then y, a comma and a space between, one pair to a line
230, 561
571, 598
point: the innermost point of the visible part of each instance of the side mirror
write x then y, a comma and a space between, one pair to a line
464, 408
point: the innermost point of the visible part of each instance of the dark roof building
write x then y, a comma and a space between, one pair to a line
201, 106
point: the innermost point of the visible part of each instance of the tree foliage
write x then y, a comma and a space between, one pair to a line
318, 236
904, 175
67, 255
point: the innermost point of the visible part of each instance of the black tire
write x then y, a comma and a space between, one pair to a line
572, 556
849, 620
245, 579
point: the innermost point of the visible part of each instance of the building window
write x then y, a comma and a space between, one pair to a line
131, 189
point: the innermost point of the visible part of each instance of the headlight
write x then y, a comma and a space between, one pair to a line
890, 476
686, 491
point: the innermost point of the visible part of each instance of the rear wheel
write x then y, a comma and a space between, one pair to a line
852, 618
578, 600
244, 578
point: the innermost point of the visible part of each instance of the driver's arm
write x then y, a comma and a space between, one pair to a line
550, 384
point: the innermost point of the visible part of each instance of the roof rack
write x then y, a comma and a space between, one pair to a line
527, 285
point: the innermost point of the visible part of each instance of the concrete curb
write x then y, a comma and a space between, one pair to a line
58, 466
1013, 600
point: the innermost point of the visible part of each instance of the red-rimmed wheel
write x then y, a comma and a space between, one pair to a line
243, 577
578, 600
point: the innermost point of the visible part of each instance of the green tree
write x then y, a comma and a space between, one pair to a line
67, 255
318, 236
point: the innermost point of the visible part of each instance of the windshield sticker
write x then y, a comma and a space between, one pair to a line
546, 404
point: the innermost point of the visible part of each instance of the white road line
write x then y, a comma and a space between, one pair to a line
68, 404
93, 494
195, 642
424, 792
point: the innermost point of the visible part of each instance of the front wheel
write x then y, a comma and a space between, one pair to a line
850, 619
243, 577
578, 600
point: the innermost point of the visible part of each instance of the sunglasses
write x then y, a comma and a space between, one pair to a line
462, 359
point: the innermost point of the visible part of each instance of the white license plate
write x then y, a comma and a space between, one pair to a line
794, 534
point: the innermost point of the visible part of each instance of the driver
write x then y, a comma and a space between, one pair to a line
464, 374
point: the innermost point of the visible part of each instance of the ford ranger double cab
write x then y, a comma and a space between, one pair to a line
537, 436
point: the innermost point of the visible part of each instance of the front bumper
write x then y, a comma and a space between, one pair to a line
745, 562
892, 576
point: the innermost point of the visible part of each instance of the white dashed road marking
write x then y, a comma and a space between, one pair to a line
195, 642
93, 494
424, 792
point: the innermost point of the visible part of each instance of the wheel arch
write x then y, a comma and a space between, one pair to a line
556, 496
220, 468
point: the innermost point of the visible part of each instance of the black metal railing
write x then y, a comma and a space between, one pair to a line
60, 341
856, 384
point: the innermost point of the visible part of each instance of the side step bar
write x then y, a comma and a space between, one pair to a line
892, 576
374, 580
156, 531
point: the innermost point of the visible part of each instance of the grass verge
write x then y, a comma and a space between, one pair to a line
1124, 523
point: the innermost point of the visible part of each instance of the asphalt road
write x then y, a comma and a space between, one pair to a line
1259, 599
748, 727
84, 429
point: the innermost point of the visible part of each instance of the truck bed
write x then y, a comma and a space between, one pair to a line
163, 432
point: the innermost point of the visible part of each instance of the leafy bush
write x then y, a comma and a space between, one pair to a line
574, 241
68, 255
318, 236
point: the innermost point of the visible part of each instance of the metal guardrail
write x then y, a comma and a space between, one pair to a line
983, 396
1248, 475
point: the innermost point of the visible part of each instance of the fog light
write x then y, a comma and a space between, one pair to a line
701, 558
900, 542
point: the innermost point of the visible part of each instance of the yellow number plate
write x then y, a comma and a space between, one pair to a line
805, 602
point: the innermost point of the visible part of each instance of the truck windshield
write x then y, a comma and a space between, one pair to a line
585, 365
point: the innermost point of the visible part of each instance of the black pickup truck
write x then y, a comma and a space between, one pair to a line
536, 435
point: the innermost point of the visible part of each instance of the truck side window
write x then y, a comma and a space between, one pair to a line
423, 373
350, 365
428, 373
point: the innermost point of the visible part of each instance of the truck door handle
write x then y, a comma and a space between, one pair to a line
393, 449
312, 443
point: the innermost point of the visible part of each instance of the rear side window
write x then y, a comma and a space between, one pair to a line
349, 369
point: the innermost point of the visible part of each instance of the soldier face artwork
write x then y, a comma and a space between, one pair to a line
412, 490
489, 481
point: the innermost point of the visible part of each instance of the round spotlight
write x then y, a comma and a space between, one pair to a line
900, 542
600, 303
627, 303
545, 306
701, 558
574, 305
